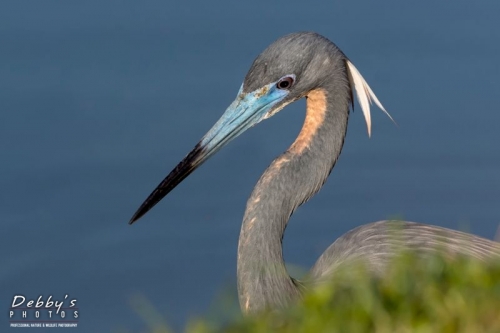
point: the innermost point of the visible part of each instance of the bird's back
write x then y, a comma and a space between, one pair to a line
377, 243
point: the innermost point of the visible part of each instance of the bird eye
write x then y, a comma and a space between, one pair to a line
285, 83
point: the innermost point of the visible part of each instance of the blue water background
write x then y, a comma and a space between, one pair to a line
100, 99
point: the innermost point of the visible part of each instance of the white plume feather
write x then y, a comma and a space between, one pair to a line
365, 94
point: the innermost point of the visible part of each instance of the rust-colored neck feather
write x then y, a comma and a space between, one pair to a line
315, 116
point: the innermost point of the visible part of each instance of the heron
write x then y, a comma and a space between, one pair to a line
304, 65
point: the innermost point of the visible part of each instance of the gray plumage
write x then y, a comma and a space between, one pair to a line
318, 70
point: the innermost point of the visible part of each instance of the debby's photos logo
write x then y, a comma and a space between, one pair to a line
43, 311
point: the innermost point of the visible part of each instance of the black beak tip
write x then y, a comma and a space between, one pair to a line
136, 216
181, 171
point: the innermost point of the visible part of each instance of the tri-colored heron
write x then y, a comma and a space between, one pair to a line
306, 65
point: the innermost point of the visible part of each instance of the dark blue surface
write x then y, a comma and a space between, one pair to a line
99, 100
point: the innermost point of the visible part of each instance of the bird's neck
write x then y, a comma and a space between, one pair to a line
290, 180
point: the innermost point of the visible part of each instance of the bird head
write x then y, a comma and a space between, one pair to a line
284, 72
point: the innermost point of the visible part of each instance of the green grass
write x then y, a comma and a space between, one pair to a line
414, 295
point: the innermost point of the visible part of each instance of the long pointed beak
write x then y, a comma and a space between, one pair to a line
246, 110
